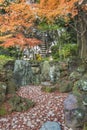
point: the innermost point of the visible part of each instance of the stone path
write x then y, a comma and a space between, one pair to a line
49, 107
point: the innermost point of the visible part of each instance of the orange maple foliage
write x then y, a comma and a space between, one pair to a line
4, 38
17, 15
20, 40
52, 9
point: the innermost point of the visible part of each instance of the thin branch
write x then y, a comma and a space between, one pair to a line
75, 29
81, 33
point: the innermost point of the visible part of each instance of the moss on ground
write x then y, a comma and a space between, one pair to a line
48, 89
2, 111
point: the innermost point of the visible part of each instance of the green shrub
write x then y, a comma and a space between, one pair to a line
14, 52
55, 51
11, 51
6, 58
3, 51
3, 60
68, 50
65, 51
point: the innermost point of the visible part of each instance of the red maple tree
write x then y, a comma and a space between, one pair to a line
21, 41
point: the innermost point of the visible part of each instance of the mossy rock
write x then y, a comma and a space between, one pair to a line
85, 76
81, 69
84, 98
9, 74
2, 75
20, 104
9, 65
18, 108
63, 74
65, 86
75, 76
29, 103
48, 89
23, 107
76, 89
3, 87
63, 66
45, 71
2, 98
11, 86
78, 93
82, 84
14, 100
36, 70
80, 87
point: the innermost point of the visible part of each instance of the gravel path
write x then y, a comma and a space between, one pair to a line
49, 107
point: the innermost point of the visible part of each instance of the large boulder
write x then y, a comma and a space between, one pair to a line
50, 125
7, 84
65, 85
80, 87
45, 68
50, 71
74, 113
23, 73
36, 70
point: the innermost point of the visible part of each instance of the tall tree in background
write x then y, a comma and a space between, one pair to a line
68, 9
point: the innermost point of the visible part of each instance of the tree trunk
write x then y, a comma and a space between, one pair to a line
82, 34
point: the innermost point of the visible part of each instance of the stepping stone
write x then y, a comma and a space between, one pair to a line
50, 125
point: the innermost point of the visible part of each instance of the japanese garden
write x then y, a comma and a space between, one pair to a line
43, 64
